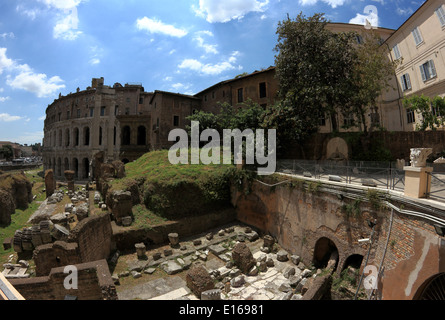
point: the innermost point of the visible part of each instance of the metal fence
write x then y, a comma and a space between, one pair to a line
369, 173
385, 175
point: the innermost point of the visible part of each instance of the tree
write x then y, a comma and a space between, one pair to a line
314, 67
431, 110
372, 74
7, 151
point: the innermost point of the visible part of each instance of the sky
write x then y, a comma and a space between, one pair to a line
49, 47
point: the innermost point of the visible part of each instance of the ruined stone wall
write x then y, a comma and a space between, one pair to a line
93, 236
125, 238
94, 283
300, 220
90, 240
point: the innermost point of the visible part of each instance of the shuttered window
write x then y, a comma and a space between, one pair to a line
427, 70
417, 36
406, 82
441, 15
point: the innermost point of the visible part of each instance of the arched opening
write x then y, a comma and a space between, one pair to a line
125, 160
60, 138
100, 136
141, 136
76, 136
86, 136
66, 165
354, 261
59, 167
126, 135
325, 251
76, 168
67, 137
432, 289
86, 168
114, 136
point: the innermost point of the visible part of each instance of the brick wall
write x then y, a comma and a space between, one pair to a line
94, 283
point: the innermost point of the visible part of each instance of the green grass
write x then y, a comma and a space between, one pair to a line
20, 217
176, 190
145, 218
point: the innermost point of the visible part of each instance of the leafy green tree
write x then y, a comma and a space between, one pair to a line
432, 110
7, 151
372, 74
314, 67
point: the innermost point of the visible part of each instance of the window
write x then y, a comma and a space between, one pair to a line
68, 115
102, 111
176, 121
427, 70
411, 118
128, 99
406, 82
78, 113
441, 15
91, 112
263, 92
240, 95
435, 111
417, 37
100, 136
322, 120
142, 133
396, 51
348, 120
127, 111
126, 135
116, 110
141, 100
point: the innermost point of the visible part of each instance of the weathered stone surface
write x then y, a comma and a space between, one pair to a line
217, 249
174, 239
282, 256
268, 241
214, 294
295, 259
140, 250
288, 272
199, 280
238, 281
7, 207
171, 267
121, 205
50, 182
242, 257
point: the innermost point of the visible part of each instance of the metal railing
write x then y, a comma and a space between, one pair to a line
368, 173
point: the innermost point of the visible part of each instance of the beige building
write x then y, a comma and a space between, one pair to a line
419, 46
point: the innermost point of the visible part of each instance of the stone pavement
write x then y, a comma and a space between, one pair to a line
282, 279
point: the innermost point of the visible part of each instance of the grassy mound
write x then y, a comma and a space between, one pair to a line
176, 190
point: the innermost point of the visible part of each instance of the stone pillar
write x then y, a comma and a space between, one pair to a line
50, 182
417, 178
69, 176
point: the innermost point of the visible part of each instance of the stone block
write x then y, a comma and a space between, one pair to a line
242, 257
199, 280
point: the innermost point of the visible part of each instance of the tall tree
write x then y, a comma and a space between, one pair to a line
314, 67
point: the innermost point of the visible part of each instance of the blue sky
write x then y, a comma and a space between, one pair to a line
49, 47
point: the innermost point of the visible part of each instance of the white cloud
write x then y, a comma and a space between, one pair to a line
209, 48
7, 35
156, 26
67, 25
25, 78
3, 99
42, 118
361, 19
224, 11
5, 62
404, 12
37, 83
332, 3
5, 117
61, 4
209, 68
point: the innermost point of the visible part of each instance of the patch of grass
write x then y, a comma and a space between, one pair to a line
145, 218
20, 217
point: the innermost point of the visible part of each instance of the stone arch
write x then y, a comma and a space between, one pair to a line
126, 135
337, 149
76, 137
354, 261
142, 136
86, 136
76, 168
325, 250
67, 137
100, 135
60, 137
66, 164
85, 168
59, 167
432, 289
